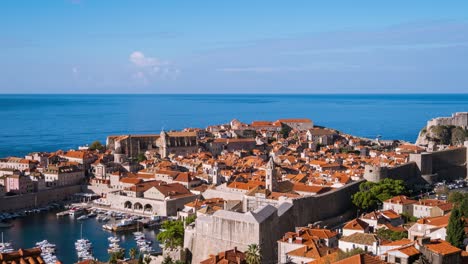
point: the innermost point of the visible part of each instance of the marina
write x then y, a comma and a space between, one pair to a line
57, 233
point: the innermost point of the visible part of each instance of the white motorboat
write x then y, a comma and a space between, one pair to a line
83, 217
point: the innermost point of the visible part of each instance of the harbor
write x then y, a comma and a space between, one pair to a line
61, 231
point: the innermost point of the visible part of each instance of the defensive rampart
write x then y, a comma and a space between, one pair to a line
265, 226
42, 198
423, 168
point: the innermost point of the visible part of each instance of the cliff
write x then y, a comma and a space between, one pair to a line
442, 134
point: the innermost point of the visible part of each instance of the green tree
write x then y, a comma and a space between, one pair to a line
141, 157
456, 229
190, 219
253, 255
285, 130
388, 234
172, 234
409, 218
96, 145
147, 259
456, 197
371, 194
463, 206
167, 260
140, 259
441, 134
458, 136
460, 200
113, 258
133, 252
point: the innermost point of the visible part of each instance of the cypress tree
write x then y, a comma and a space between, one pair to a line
455, 229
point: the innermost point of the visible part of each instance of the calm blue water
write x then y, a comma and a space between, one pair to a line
64, 232
51, 122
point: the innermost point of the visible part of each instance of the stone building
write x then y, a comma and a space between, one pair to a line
457, 119
63, 175
231, 144
301, 124
17, 163
166, 143
177, 143
131, 145
152, 197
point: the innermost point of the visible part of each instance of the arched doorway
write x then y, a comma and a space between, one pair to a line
138, 206
128, 205
148, 208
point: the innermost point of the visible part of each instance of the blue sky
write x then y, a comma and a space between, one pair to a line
171, 46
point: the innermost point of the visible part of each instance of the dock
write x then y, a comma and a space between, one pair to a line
64, 213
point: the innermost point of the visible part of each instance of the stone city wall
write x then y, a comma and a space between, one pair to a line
33, 200
213, 234
427, 167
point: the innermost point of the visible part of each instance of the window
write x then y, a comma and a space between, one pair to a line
397, 260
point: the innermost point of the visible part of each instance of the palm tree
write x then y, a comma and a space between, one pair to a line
172, 235
147, 259
133, 252
252, 255
113, 258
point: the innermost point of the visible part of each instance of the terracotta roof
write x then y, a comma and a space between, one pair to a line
360, 238
408, 250
439, 221
32, 256
330, 258
401, 242
431, 202
442, 247
182, 134
313, 250
390, 214
361, 259
265, 123
232, 256
131, 180
297, 120
173, 190
197, 204
400, 199
299, 187
233, 140
356, 224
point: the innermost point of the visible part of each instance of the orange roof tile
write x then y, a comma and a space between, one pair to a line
442, 247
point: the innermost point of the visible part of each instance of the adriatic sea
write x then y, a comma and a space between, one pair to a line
51, 122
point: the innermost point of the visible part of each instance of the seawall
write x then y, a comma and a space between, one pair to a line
42, 198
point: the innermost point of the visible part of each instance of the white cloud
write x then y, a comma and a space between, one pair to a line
151, 68
140, 60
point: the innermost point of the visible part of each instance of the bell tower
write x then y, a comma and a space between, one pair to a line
271, 182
